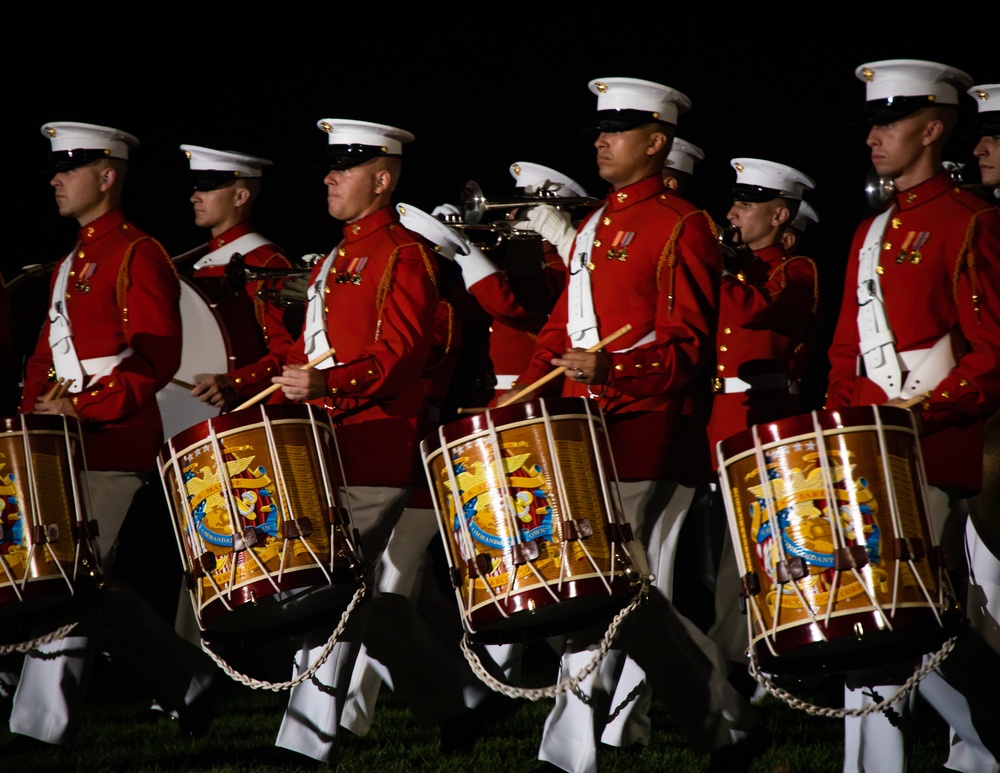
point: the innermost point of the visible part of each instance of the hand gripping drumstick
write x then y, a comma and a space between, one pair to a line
562, 368
275, 387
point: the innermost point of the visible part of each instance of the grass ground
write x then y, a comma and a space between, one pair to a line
115, 737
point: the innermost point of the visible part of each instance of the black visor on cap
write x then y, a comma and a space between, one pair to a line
988, 123
744, 192
622, 120
342, 157
210, 179
64, 160
882, 111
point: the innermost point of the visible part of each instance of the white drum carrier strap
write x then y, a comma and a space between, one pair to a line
924, 368
68, 365
314, 335
875, 339
220, 257
581, 320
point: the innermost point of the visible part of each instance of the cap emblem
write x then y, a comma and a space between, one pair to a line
868, 74
601, 87
983, 95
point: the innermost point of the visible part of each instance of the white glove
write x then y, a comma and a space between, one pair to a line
474, 264
294, 289
442, 211
552, 224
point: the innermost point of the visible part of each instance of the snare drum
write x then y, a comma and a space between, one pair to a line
839, 566
48, 549
536, 543
266, 545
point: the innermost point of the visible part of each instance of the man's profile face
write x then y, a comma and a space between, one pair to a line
987, 151
78, 190
755, 221
351, 193
621, 156
896, 146
214, 206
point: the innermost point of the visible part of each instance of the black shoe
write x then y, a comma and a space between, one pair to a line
194, 719
459, 735
740, 756
286, 759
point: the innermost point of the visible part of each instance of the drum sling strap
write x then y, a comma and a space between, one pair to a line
925, 368
67, 363
220, 257
314, 335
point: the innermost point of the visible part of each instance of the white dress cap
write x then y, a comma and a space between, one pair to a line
912, 78
987, 98
642, 99
760, 180
346, 132
69, 136
806, 215
683, 156
443, 238
536, 179
210, 160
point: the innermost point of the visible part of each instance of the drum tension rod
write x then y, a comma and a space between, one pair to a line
46, 532
850, 557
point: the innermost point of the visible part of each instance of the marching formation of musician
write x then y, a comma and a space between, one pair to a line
688, 344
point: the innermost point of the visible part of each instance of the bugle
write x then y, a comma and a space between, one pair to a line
474, 205
237, 274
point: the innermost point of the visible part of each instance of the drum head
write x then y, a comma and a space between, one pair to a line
205, 350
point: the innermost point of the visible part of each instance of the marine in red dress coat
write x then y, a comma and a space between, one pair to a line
947, 281
764, 314
260, 332
123, 293
380, 301
665, 284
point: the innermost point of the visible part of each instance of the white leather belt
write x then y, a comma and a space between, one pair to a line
729, 386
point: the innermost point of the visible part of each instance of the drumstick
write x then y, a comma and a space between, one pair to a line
913, 400
275, 387
178, 382
59, 389
562, 368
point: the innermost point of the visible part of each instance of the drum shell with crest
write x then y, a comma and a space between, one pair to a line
267, 546
537, 544
839, 566
48, 548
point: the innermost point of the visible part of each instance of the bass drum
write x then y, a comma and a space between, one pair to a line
206, 349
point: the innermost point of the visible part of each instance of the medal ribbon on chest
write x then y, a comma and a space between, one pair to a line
352, 273
83, 278
618, 249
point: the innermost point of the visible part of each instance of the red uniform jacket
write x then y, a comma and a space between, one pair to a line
764, 314
123, 293
380, 319
655, 401
258, 331
954, 287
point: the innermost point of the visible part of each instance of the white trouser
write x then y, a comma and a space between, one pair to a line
53, 680
871, 743
656, 511
309, 725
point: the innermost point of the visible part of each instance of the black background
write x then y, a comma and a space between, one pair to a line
478, 96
